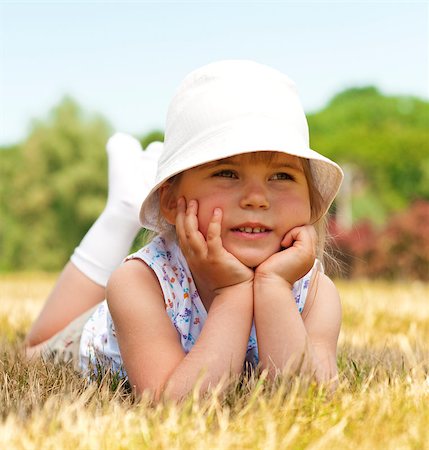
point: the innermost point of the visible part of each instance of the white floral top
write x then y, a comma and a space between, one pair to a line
182, 304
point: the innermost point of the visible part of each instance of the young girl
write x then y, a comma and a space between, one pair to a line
234, 273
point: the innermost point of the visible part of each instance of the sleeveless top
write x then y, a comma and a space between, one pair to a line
183, 305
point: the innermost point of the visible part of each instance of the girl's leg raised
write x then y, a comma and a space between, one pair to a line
82, 282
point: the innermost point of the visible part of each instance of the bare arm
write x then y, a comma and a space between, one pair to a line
73, 294
149, 343
284, 338
323, 323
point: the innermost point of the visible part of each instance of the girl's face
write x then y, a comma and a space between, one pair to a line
263, 195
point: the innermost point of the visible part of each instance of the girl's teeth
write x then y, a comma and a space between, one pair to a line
252, 230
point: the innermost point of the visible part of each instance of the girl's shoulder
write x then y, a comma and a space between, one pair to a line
131, 280
164, 259
136, 273
322, 295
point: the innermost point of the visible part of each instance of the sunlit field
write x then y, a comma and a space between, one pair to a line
382, 401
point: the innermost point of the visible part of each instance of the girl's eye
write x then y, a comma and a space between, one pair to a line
226, 174
282, 176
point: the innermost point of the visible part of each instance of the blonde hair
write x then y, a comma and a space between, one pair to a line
318, 219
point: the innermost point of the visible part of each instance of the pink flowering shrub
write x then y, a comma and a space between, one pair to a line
399, 250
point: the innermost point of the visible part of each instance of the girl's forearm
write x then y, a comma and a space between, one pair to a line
282, 337
221, 347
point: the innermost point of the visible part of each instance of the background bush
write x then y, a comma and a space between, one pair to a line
398, 250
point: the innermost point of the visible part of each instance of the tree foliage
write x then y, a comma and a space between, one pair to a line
386, 142
54, 187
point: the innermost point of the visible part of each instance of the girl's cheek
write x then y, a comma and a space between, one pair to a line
203, 225
206, 206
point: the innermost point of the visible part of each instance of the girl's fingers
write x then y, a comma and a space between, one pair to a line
180, 215
291, 237
180, 222
214, 240
287, 240
305, 236
191, 218
194, 238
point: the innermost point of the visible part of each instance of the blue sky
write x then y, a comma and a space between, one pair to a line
125, 59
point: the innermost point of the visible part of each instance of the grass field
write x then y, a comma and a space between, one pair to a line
382, 401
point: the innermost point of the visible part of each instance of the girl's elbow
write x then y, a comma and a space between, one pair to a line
327, 377
153, 394
166, 390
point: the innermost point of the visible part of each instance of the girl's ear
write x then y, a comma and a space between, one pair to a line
168, 203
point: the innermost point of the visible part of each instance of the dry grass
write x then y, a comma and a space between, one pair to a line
382, 401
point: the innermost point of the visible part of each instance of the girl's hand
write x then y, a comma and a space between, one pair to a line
295, 260
213, 266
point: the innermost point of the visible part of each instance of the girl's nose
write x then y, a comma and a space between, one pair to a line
254, 196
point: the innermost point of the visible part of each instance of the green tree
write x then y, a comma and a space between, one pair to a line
385, 139
54, 187
152, 136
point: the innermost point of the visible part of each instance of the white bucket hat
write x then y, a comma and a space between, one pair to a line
232, 107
